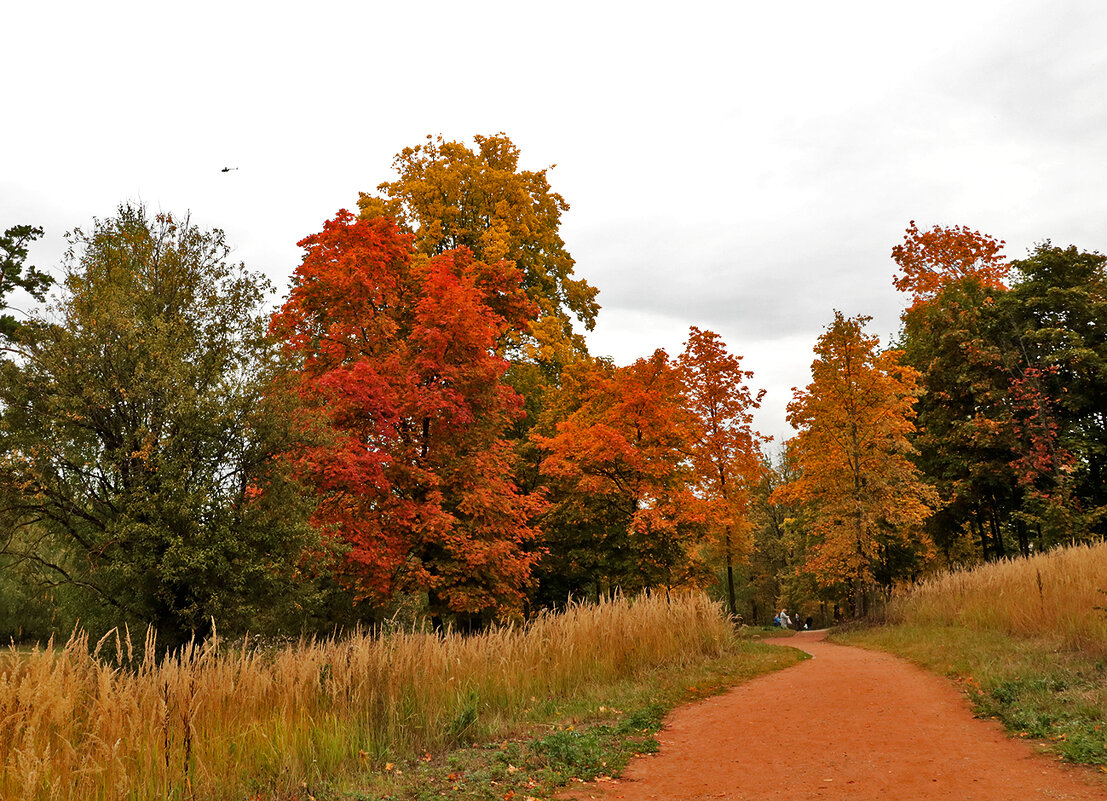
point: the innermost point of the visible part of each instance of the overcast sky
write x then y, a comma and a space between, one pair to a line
743, 167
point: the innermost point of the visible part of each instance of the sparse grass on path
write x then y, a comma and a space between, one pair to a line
1040, 689
1026, 639
567, 741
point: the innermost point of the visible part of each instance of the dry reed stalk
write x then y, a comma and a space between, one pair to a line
1057, 594
209, 723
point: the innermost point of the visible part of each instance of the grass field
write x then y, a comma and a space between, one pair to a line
567, 696
1058, 595
1026, 639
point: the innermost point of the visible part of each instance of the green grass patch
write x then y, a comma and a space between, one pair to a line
559, 742
1038, 689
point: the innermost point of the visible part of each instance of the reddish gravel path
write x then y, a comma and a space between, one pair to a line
848, 725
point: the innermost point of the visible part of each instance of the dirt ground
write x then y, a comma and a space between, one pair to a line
847, 725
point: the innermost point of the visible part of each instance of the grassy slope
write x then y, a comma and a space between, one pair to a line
1038, 688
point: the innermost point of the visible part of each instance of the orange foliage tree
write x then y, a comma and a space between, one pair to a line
726, 455
397, 358
864, 496
620, 475
929, 260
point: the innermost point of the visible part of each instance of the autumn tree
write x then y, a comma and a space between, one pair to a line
398, 360
449, 195
866, 497
1001, 368
624, 514
139, 441
726, 454
929, 260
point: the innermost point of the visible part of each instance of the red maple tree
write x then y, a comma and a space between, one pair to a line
398, 359
726, 453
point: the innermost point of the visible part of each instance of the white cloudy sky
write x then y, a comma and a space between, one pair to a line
743, 167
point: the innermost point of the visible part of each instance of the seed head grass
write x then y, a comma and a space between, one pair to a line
92, 721
1057, 594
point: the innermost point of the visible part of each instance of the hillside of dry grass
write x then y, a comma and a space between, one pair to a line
1058, 594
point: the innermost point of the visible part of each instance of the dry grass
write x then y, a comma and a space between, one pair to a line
1058, 595
210, 722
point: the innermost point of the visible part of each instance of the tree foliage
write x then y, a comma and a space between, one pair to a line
138, 442
1008, 423
621, 479
867, 499
420, 424
449, 196
965, 440
1054, 319
932, 259
726, 460
398, 360
16, 274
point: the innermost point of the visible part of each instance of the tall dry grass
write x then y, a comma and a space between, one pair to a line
1058, 594
215, 723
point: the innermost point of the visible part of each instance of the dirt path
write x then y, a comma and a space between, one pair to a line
848, 725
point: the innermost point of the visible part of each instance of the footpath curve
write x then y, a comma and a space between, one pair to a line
847, 725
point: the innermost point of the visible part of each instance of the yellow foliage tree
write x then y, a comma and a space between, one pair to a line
865, 498
448, 195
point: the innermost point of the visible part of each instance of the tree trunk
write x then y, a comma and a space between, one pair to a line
981, 533
730, 576
997, 533
1024, 540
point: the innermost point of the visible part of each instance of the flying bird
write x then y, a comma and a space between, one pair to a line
228, 169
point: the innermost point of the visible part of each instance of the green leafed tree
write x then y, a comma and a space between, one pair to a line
138, 435
965, 439
1011, 425
16, 274
1053, 322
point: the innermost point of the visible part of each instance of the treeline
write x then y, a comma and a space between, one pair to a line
980, 435
418, 430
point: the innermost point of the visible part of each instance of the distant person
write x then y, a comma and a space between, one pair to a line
809, 623
785, 621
